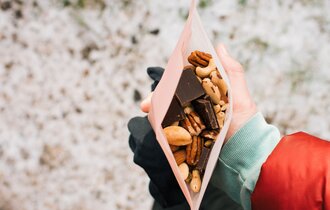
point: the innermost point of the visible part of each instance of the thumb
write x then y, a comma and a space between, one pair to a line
236, 76
234, 71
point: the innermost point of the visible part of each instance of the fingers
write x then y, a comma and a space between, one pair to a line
243, 105
231, 66
145, 104
236, 76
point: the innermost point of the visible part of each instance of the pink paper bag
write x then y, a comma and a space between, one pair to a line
192, 38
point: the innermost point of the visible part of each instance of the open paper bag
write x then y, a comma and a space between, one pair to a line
192, 38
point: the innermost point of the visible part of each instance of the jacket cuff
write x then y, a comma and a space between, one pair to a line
241, 158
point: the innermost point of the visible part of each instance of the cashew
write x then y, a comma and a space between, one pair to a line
212, 90
196, 182
184, 169
218, 81
224, 107
221, 118
217, 108
199, 79
205, 72
222, 103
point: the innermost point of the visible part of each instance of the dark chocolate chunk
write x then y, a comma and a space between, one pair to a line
201, 165
189, 88
205, 110
174, 113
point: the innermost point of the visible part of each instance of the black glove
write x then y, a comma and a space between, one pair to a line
149, 155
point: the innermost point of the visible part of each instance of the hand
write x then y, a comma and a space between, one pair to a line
243, 105
149, 155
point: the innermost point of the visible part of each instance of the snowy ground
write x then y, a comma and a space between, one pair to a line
72, 74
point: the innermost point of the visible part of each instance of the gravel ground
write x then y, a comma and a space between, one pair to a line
73, 72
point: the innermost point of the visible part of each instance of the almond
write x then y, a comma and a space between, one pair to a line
174, 148
180, 156
218, 81
177, 136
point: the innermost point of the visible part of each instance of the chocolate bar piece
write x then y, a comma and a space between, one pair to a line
173, 114
201, 165
205, 110
189, 88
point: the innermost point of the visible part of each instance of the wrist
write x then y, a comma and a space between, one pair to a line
241, 158
239, 119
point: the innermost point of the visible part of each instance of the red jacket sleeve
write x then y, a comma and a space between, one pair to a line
296, 176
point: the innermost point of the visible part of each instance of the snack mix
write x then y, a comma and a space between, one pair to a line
195, 116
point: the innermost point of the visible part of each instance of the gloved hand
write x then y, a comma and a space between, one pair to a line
149, 155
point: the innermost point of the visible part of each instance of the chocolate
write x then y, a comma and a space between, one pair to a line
201, 165
174, 113
204, 108
189, 88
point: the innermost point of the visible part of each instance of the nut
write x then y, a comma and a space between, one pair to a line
188, 126
192, 122
212, 90
195, 184
210, 134
184, 169
224, 107
217, 108
188, 179
180, 156
208, 143
198, 58
221, 119
177, 136
174, 148
199, 79
193, 151
220, 83
197, 119
222, 103
205, 72
195, 125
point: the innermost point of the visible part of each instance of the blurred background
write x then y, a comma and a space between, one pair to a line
72, 73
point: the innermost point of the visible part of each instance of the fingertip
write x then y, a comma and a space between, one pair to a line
230, 64
145, 104
222, 50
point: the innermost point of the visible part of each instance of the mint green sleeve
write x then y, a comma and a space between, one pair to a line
241, 158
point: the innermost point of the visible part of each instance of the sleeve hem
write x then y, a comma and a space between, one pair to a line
242, 156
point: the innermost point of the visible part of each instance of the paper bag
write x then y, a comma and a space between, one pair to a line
192, 38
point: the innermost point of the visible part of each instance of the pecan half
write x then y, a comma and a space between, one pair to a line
198, 58
193, 150
188, 126
192, 123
